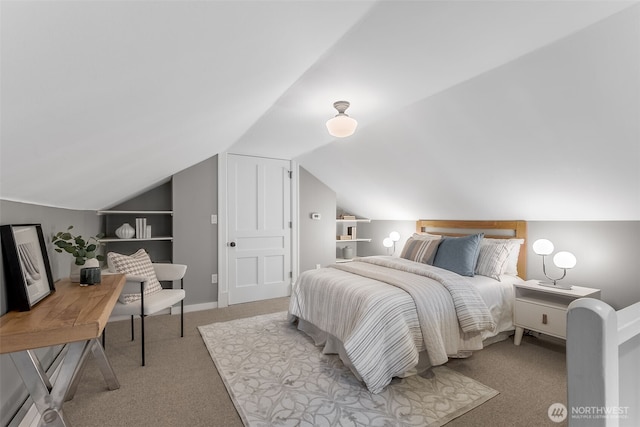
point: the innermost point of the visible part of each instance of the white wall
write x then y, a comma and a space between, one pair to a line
552, 135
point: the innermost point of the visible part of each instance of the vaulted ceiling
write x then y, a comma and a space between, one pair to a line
473, 109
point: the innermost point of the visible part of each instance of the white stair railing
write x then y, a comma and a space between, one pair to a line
603, 364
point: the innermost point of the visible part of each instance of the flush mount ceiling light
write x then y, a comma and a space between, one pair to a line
341, 125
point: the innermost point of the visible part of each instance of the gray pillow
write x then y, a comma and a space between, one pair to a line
459, 254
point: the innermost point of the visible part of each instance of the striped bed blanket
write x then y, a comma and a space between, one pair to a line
383, 328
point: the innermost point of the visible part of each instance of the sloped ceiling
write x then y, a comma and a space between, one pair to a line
465, 109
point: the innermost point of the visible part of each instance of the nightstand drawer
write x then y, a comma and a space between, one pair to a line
541, 318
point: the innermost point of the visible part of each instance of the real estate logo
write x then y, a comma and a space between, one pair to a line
557, 412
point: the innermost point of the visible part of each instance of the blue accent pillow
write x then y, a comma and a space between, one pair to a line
459, 254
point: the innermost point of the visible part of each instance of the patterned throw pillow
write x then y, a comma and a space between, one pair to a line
492, 260
420, 249
138, 264
513, 245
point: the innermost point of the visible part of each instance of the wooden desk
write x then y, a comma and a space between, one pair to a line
74, 316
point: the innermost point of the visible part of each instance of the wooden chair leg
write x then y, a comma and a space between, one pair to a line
132, 336
104, 341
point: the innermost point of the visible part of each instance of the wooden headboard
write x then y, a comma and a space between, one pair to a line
494, 229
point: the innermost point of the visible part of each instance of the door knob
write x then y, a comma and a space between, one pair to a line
232, 244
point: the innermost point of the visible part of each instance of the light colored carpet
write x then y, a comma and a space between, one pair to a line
276, 376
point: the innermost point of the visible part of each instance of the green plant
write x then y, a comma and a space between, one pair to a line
79, 248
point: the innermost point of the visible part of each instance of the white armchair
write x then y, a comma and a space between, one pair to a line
154, 302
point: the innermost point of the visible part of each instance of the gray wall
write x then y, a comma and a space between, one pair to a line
12, 391
316, 236
607, 253
195, 241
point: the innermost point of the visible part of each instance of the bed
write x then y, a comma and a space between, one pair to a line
447, 294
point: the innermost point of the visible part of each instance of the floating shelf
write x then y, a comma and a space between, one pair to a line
135, 212
133, 239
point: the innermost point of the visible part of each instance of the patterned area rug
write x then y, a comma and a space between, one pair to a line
276, 376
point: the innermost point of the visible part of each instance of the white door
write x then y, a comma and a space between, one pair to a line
258, 228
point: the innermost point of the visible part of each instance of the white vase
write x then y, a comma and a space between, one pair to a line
125, 231
74, 274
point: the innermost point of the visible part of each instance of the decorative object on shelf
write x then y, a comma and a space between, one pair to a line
83, 251
26, 265
125, 231
341, 125
147, 232
90, 276
343, 237
347, 252
390, 241
351, 231
563, 259
346, 217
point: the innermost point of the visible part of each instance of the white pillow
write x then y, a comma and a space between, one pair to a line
492, 260
138, 264
513, 245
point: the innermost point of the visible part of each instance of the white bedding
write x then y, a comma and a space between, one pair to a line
343, 311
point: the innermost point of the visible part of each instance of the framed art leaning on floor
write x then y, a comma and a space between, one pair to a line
26, 265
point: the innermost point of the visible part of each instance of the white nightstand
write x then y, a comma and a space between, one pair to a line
544, 309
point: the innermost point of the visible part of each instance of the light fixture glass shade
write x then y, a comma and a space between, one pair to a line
564, 260
543, 247
394, 236
387, 242
341, 125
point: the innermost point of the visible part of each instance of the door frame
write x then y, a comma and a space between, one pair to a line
223, 223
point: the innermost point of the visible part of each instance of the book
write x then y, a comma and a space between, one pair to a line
141, 228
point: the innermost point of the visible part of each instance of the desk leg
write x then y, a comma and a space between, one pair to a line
49, 397
49, 404
104, 365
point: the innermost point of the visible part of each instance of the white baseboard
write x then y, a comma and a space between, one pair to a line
195, 307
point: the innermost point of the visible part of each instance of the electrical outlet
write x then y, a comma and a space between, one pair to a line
214, 278
214, 219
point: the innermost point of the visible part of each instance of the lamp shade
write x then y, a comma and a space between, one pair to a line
394, 236
564, 259
341, 125
387, 242
543, 247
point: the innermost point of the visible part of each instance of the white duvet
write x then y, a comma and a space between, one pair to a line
384, 311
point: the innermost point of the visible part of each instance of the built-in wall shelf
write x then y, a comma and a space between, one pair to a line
117, 239
347, 248
156, 206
